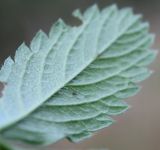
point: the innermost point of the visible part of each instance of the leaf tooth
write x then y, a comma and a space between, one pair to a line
38, 41
57, 28
133, 71
6, 69
137, 21
118, 108
90, 11
142, 76
109, 9
79, 137
130, 91
149, 42
138, 28
105, 122
22, 53
148, 59
131, 38
125, 16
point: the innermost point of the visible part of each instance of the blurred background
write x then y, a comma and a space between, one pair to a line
139, 128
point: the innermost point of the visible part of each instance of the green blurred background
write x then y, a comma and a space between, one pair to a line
139, 128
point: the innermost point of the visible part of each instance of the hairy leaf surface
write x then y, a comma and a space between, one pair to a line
69, 83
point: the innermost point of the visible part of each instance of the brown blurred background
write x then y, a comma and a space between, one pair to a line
139, 128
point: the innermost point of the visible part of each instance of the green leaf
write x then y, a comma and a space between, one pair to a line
67, 84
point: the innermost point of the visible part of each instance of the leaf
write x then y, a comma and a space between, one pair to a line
67, 84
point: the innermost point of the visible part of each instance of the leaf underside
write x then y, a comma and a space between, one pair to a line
68, 84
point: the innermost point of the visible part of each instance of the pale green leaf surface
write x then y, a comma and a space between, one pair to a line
67, 84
